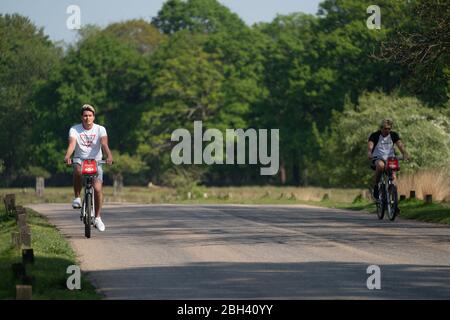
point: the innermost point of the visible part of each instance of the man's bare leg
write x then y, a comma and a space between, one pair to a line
77, 181
98, 197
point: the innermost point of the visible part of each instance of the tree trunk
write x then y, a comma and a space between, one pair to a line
118, 184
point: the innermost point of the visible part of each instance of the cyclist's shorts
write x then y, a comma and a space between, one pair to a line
372, 163
78, 161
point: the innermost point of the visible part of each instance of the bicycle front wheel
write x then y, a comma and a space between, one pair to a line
392, 202
87, 217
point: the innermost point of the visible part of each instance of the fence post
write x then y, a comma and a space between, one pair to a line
23, 292
40, 186
18, 211
25, 239
15, 239
10, 203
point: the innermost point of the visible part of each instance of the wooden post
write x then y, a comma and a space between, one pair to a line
23, 292
402, 197
429, 199
25, 239
22, 219
15, 239
18, 211
24, 229
412, 194
117, 184
40, 186
27, 256
10, 203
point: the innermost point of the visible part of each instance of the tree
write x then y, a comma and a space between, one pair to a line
203, 16
141, 35
187, 85
343, 154
422, 46
26, 60
301, 88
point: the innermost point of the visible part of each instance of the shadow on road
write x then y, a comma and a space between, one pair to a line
315, 280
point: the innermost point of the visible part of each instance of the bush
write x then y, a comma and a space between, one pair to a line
184, 181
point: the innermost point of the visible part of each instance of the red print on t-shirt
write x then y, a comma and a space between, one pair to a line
87, 139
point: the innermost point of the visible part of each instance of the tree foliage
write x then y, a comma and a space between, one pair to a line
26, 59
202, 16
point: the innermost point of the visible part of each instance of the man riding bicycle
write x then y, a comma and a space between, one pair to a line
87, 140
380, 147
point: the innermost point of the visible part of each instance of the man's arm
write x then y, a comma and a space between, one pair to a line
370, 145
70, 149
104, 143
402, 148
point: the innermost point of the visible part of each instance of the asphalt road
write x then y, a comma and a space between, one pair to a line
256, 252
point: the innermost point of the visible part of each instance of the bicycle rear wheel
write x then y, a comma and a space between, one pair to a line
87, 216
392, 202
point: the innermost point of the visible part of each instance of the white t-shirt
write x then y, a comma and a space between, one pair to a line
88, 141
385, 147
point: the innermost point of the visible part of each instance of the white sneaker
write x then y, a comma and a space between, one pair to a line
76, 203
99, 224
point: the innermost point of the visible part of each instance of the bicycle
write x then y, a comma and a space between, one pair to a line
88, 172
387, 191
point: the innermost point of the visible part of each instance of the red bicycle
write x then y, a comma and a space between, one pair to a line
89, 172
387, 191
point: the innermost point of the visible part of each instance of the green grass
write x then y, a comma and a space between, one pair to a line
52, 256
419, 210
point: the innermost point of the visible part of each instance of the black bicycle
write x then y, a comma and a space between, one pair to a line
89, 172
387, 201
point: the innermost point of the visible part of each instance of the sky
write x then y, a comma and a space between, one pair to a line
52, 14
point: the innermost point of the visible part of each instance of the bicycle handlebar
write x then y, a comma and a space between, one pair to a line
98, 161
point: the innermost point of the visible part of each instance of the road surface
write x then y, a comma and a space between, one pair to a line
256, 252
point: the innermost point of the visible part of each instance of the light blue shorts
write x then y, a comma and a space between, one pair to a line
78, 161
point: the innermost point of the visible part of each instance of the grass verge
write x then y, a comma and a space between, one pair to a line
52, 256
